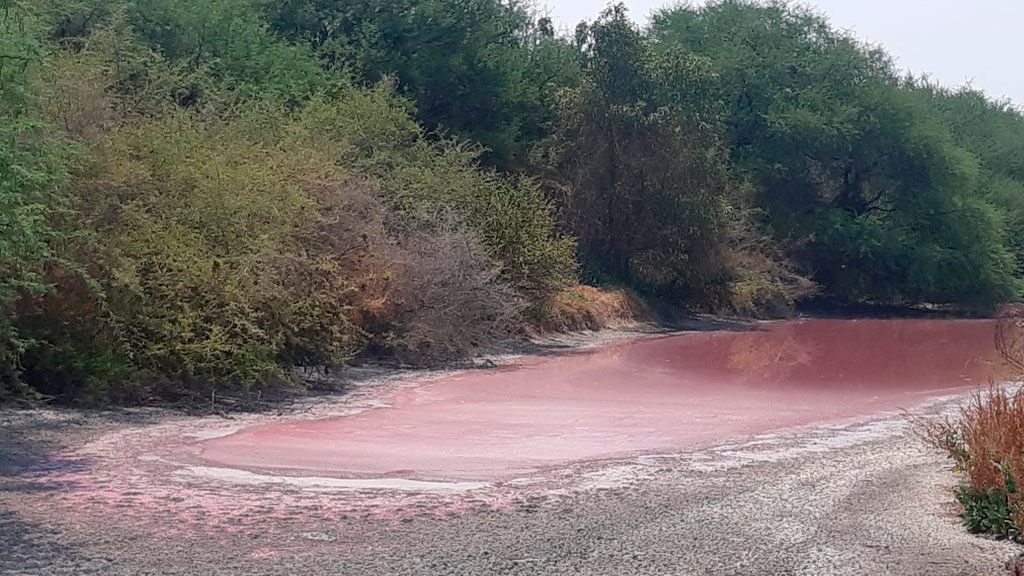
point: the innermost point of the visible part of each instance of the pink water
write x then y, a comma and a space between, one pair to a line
655, 394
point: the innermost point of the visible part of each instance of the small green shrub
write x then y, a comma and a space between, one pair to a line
988, 512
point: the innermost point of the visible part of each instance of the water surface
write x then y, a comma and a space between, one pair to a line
655, 394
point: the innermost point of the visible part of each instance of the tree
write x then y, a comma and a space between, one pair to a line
994, 132
31, 169
476, 69
642, 170
862, 184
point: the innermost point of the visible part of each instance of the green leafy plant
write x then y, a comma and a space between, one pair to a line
990, 511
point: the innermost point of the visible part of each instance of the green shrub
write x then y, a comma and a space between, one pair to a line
988, 512
214, 249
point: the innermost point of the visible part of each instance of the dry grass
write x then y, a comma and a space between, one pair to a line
986, 439
589, 308
986, 443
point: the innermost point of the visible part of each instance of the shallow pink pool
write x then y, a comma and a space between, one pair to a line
663, 393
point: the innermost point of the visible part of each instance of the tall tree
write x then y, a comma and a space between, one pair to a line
994, 132
478, 69
862, 183
31, 167
642, 169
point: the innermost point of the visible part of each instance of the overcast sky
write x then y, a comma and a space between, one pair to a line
954, 41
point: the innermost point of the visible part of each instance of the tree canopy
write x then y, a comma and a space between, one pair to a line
861, 179
211, 193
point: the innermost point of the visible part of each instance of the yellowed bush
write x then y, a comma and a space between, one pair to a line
763, 282
74, 96
428, 180
583, 307
225, 243
224, 249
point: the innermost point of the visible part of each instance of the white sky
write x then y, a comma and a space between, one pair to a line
980, 42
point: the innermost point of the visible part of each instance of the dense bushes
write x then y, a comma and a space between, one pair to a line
31, 168
222, 238
211, 193
427, 179
223, 251
213, 253
227, 249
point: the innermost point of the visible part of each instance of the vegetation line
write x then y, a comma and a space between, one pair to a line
198, 195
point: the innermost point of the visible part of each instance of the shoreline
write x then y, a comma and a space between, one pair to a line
91, 481
316, 385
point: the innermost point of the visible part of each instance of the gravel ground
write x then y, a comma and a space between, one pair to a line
92, 493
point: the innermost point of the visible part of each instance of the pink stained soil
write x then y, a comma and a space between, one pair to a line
654, 394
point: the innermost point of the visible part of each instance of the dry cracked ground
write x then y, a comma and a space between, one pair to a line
110, 494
